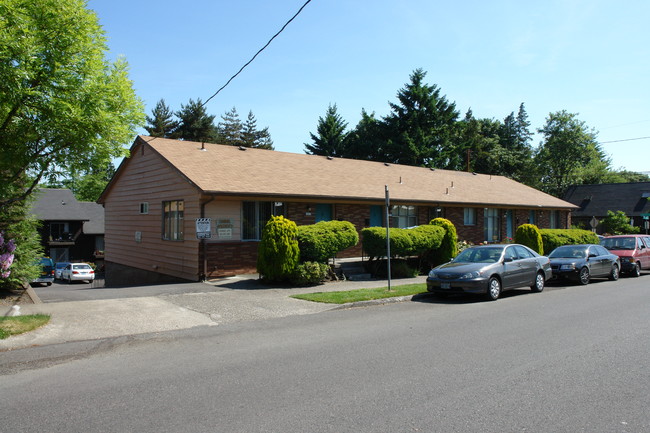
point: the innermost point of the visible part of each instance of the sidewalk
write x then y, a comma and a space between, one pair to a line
238, 299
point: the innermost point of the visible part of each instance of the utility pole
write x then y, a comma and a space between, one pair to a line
388, 235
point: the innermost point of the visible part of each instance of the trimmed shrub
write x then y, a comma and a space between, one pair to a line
529, 235
309, 273
553, 238
449, 245
403, 242
278, 252
323, 240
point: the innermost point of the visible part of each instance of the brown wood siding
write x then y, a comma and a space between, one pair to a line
145, 177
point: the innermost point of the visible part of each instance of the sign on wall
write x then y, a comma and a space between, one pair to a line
203, 228
224, 228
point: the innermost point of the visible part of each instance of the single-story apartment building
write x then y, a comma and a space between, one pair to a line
594, 201
153, 202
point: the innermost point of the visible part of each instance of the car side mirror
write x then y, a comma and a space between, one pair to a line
593, 255
507, 259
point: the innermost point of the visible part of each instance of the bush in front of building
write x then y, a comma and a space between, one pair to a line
553, 238
278, 253
403, 242
321, 241
529, 235
449, 245
309, 273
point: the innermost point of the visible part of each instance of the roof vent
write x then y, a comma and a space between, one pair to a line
386, 164
432, 169
203, 147
330, 158
474, 173
242, 148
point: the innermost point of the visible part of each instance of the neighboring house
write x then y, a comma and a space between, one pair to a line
594, 201
72, 231
153, 200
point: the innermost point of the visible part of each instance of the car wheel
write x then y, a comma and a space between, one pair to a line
636, 272
583, 276
48, 284
613, 275
494, 289
539, 283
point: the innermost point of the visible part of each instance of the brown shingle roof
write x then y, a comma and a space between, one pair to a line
229, 170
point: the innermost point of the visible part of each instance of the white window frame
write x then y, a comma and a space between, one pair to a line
144, 208
173, 218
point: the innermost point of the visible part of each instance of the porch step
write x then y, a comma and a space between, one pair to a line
352, 270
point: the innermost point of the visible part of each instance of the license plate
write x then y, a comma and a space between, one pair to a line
445, 285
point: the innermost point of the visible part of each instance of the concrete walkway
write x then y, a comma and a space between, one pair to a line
238, 299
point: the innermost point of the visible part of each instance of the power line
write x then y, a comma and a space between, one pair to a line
256, 54
627, 139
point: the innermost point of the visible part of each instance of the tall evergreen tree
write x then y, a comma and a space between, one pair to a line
366, 140
331, 135
195, 123
422, 126
253, 137
230, 128
162, 123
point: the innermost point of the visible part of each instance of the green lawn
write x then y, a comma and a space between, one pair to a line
20, 324
363, 294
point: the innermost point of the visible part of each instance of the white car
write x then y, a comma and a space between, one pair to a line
78, 272
58, 268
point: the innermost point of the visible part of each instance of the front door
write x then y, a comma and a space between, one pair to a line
323, 212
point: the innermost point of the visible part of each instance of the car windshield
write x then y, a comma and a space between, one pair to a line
479, 255
568, 252
625, 243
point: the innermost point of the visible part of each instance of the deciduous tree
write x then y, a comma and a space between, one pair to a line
62, 102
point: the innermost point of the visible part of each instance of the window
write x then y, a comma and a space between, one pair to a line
255, 215
470, 216
523, 253
491, 225
144, 208
402, 216
173, 220
554, 219
531, 217
60, 232
436, 212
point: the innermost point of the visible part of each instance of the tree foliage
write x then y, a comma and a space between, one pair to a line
449, 245
61, 102
617, 223
195, 124
161, 123
568, 145
331, 136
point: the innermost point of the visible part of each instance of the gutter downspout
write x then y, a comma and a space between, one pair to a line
204, 274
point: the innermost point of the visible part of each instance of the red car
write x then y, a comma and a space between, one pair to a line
633, 250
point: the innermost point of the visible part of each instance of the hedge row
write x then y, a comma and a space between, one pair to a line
403, 242
323, 240
553, 238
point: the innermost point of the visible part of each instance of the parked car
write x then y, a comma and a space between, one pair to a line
46, 275
580, 263
58, 268
78, 272
490, 270
633, 250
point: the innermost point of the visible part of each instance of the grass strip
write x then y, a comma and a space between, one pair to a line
345, 297
20, 324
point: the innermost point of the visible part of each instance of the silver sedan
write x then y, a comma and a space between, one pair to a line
490, 270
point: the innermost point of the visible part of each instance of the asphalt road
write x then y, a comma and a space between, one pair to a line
565, 360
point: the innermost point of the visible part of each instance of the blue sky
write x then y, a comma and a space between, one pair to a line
587, 57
